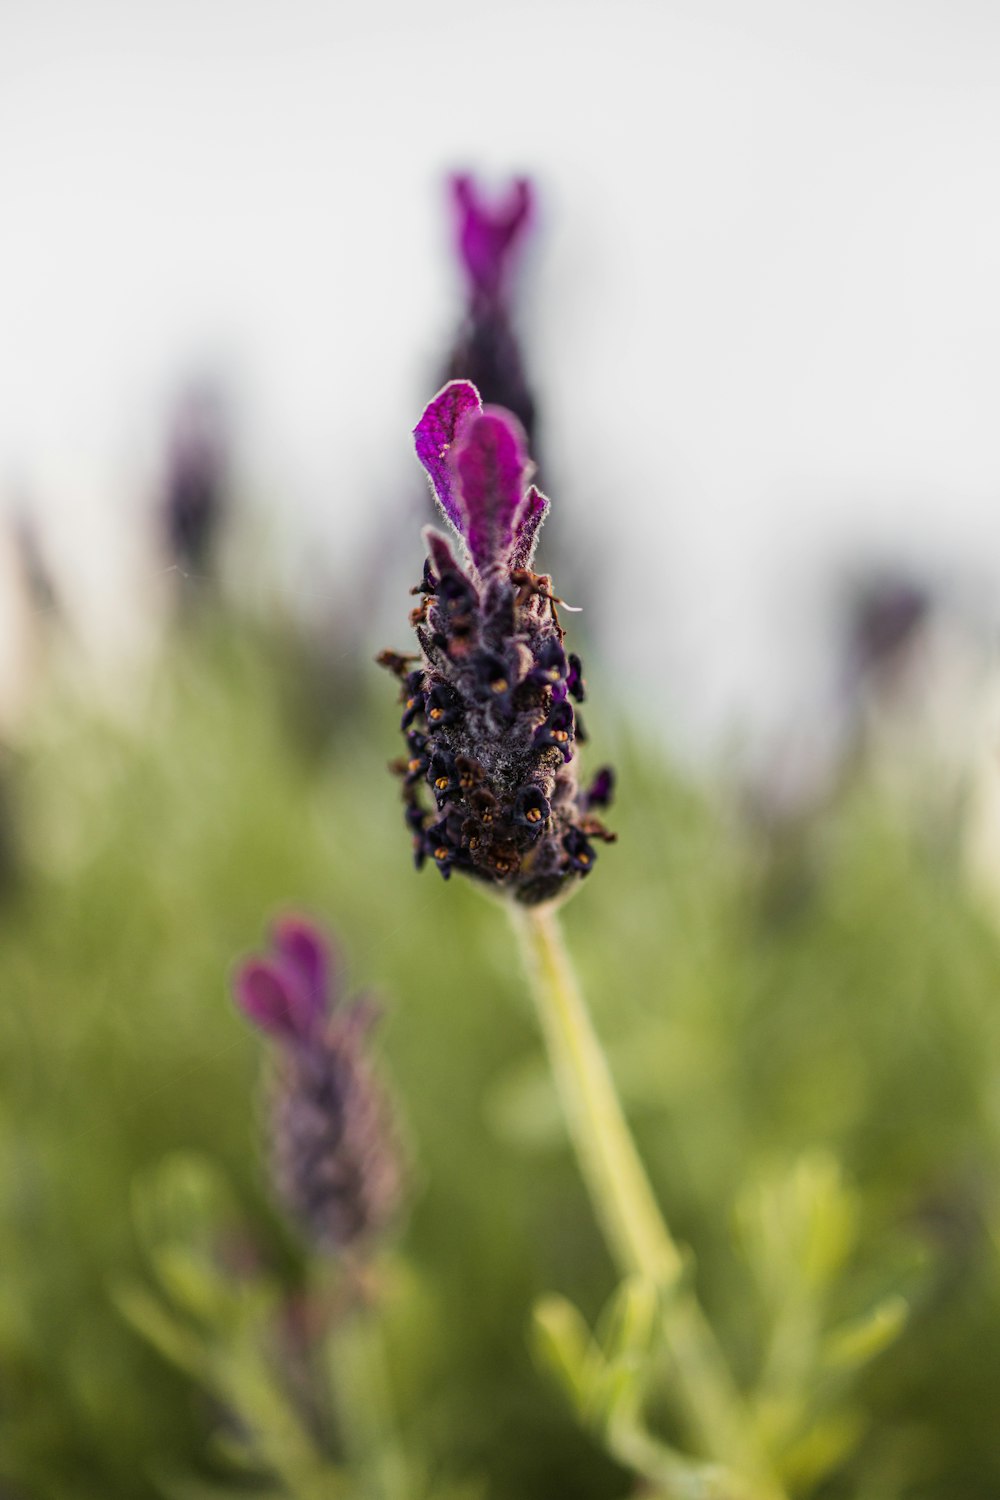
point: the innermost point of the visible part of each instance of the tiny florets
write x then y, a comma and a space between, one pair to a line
489, 779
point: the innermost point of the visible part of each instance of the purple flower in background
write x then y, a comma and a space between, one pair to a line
489, 236
334, 1159
196, 480
490, 778
489, 233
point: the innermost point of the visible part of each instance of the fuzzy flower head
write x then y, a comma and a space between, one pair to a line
333, 1155
490, 777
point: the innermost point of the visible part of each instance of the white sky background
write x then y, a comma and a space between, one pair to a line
765, 313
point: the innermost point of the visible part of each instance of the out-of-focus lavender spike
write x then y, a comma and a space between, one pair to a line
489, 236
38, 582
434, 436
885, 618
526, 528
491, 465
334, 1160
489, 233
334, 1157
196, 483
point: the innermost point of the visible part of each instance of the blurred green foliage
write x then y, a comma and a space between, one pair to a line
809, 1047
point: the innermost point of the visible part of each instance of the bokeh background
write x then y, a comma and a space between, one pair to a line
759, 310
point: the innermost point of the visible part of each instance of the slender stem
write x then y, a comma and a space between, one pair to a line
626, 1208
358, 1369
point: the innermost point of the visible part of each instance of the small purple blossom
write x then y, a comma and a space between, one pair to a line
334, 1160
490, 729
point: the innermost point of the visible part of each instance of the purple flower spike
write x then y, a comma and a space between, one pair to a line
488, 234
435, 434
334, 1157
490, 784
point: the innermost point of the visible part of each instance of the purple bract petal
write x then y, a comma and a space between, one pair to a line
443, 560
304, 949
488, 233
435, 434
272, 995
491, 464
526, 527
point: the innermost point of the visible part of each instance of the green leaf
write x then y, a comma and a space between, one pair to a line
176, 1342
859, 1341
629, 1322
821, 1450
563, 1345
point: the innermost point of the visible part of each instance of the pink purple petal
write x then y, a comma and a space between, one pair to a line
271, 995
443, 559
491, 464
435, 435
526, 527
304, 949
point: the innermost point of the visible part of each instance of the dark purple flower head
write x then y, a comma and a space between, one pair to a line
333, 1155
490, 783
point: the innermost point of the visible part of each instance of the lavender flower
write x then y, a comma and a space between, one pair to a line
487, 713
334, 1161
488, 239
196, 480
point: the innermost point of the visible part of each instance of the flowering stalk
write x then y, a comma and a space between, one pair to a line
336, 1171
491, 733
359, 1376
637, 1235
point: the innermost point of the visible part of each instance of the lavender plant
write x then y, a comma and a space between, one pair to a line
337, 1174
491, 730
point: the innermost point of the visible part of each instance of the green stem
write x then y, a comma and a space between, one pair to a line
626, 1208
362, 1393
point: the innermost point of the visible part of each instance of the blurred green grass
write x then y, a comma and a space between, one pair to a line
860, 1017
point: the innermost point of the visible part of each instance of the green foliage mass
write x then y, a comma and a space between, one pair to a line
807, 1039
